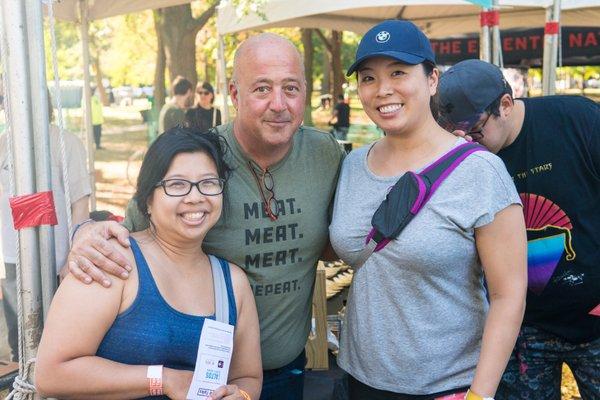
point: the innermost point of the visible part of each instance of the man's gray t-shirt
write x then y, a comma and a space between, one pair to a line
279, 257
169, 117
417, 308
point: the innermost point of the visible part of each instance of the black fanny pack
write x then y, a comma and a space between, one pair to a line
408, 196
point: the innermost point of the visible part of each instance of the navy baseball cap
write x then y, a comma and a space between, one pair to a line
400, 40
467, 89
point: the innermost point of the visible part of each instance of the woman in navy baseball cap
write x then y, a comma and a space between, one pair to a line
419, 324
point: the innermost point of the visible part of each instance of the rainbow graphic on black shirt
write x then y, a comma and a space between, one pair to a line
549, 234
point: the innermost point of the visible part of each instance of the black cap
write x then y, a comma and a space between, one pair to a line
467, 89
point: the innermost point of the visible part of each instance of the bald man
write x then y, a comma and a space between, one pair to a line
275, 218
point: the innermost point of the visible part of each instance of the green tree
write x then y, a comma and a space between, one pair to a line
177, 28
307, 45
100, 38
68, 50
130, 54
334, 47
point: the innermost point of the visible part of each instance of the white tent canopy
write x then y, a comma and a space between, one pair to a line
437, 18
68, 10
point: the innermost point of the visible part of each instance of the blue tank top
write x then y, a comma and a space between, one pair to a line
151, 332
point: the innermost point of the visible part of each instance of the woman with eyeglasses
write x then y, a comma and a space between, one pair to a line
419, 325
203, 115
103, 343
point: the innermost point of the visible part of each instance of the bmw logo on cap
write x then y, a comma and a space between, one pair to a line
382, 37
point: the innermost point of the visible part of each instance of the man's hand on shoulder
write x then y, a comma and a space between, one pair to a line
92, 256
462, 134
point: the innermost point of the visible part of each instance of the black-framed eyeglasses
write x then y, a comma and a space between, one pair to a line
266, 181
477, 134
203, 92
182, 187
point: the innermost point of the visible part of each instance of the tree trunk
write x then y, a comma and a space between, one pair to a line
208, 76
99, 86
178, 29
159, 71
336, 64
308, 73
334, 46
326, 81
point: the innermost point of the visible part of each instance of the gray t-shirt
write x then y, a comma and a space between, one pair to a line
169, 117
279, 257
79, 187
417, 308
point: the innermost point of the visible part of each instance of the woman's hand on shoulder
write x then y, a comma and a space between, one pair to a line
462, 134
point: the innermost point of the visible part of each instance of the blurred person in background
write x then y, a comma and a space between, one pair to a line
340, 120
97, 118
80, 190
203, 116
173, 111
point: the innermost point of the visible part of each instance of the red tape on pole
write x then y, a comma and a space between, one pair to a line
489, 18
552, 28
494, 18
33, 210
483, 19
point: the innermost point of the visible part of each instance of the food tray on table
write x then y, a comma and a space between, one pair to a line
339, 276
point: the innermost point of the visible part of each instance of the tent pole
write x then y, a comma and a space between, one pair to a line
17, 70
223, 78
87, 95
484, 40
496, 40
41, 142
551, 34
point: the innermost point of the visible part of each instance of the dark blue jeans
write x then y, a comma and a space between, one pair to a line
285, 383
534, 368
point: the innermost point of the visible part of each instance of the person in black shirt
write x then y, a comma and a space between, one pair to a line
340, 120
551, 148
203, 116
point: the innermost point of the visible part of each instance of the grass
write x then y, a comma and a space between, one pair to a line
124, 139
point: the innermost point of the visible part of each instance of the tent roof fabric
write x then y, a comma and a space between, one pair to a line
437, 18
354, 15
68, 10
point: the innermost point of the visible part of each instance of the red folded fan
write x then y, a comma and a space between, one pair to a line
32, 210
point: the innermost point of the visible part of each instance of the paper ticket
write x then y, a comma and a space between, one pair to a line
213, 359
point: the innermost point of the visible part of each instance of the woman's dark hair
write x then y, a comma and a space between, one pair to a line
161, 153
208, 87
434, 101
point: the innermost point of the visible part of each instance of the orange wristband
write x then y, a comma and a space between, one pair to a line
245, 395
471, 395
